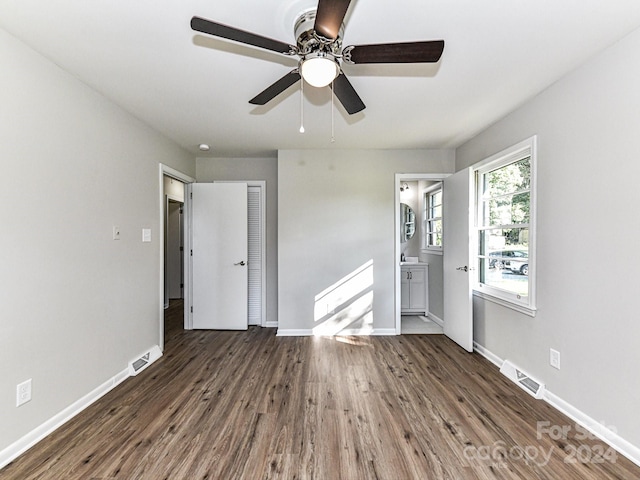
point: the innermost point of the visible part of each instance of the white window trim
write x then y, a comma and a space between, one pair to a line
433, 250
511, 300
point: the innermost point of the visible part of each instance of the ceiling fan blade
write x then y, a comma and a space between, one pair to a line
329, 17
347, 95
276, 89
409, 52
231, 33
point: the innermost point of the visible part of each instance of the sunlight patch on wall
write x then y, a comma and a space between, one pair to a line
347, 305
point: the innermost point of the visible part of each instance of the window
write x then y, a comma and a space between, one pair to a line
432, 218
505, 227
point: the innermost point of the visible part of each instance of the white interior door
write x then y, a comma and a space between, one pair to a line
458, 308
219, 258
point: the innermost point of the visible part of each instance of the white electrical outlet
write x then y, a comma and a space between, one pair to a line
23, 393
554, 358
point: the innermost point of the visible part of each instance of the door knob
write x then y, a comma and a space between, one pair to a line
464, 269
241, 263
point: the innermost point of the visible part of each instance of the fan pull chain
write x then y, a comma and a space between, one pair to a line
333, 138
301, 105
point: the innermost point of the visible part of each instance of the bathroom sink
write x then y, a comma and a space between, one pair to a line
411, 260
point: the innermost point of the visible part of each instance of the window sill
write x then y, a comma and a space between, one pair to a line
428, 251
506, 303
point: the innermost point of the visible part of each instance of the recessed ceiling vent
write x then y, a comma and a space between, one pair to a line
530, 385
144, 360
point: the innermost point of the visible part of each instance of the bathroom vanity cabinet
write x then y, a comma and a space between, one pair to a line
414, 288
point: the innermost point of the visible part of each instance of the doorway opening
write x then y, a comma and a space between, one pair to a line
418, 271
174, 248
172, 190
257, 247
419, 324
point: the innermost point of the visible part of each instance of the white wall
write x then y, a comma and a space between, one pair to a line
266, 169
77, 306
336, 212
588, 127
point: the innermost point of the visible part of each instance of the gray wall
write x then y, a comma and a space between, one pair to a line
588, 127
336, 211
77, 306
216, 169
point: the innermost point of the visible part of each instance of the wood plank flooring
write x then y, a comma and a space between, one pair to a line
250, 405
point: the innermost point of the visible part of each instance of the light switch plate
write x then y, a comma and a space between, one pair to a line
146, 235
116, 232
554, 358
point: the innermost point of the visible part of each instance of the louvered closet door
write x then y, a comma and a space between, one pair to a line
255, 254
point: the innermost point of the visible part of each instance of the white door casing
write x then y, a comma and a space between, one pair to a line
163, 171
219, 255
457, 266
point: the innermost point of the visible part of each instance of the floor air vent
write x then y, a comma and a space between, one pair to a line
523, 380
144, 360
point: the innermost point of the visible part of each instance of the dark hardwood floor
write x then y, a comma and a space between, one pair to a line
250, 405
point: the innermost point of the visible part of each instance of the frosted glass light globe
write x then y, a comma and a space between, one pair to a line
319, 71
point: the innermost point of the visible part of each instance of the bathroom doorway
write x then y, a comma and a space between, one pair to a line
419, 295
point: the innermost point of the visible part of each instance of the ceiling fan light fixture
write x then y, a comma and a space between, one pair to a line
319, 69
318, 34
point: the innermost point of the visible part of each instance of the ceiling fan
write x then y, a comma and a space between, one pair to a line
318, 35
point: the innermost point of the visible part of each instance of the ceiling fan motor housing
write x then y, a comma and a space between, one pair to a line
309, 41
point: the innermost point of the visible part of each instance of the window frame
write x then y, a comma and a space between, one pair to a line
427, 193
525, 304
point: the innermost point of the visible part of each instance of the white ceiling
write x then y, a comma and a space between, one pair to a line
195, 89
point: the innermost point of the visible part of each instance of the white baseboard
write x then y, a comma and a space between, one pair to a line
30, 439
436, 319
271, 324
598, 429
37, 434
383, 332
292, 332
497, 361
355, 332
